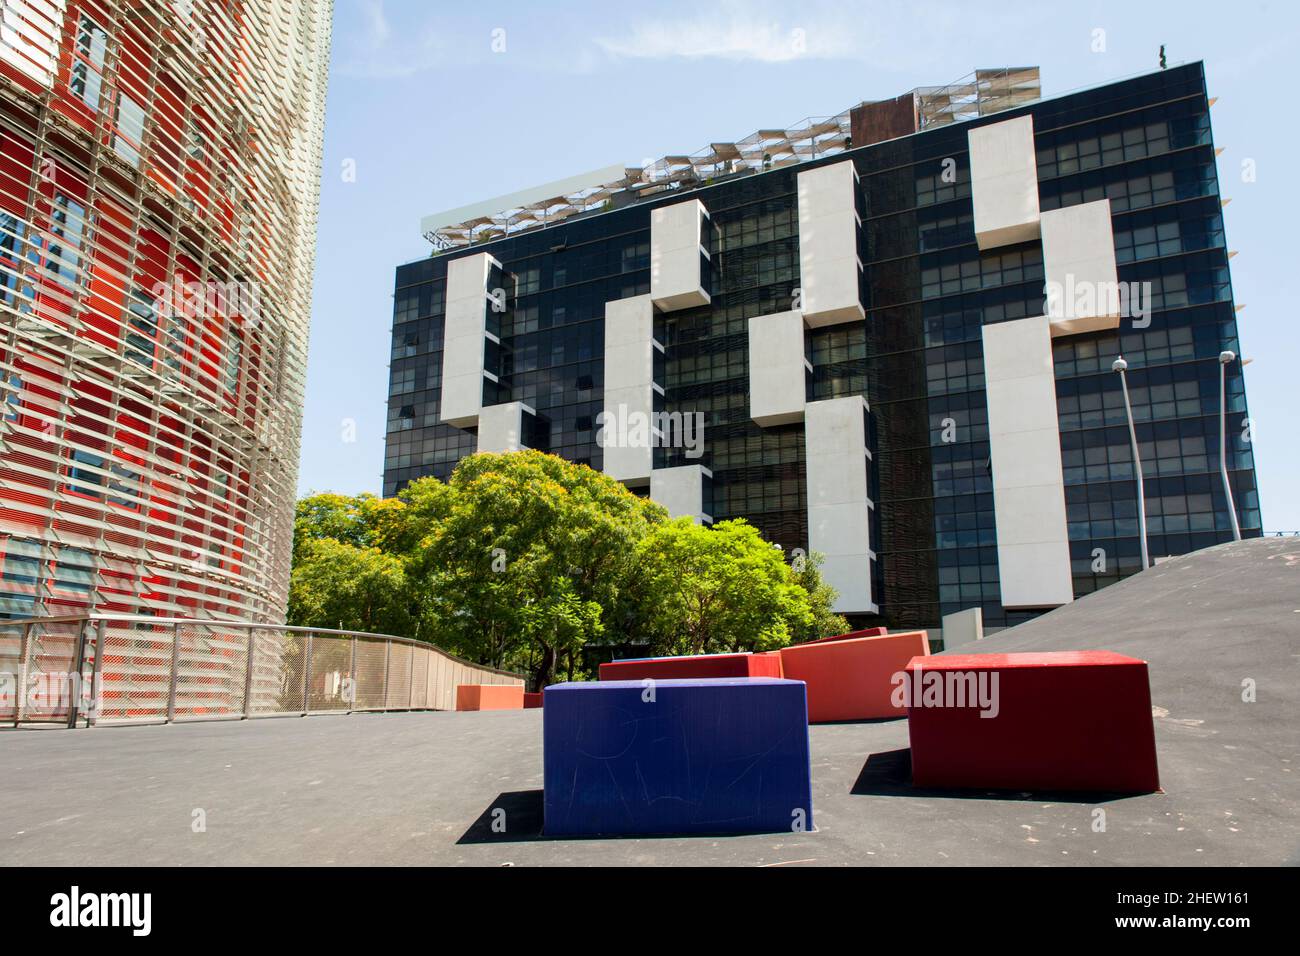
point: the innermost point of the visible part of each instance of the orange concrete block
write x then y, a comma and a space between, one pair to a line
853, 679
489, 697
850, 636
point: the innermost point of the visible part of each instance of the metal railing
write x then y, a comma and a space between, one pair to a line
93, 669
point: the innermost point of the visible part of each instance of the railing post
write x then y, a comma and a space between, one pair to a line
79, 663
248, 674
388, 656
306, 675
97, 681
171, 688
352, 675
20, 689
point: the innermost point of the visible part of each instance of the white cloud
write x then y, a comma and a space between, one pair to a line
735, 37
377, 30
890, 35
369, 48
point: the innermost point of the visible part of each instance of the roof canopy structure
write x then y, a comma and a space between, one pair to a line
979, 94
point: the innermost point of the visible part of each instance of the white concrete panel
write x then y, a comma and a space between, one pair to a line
1025, 448
1033, 514
625, 428
675, 251
1004, 182
778, 369
838, 528
465, 331
963, 627
1028, 583
501, 427
830, 291
1034, 469
681, 491
1027, 402
1081, 280
850, 576
839, 509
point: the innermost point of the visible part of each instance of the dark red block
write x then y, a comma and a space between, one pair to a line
850, 636
532, 701
1072, 720
693, 667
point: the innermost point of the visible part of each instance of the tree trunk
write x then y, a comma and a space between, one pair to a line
544, 673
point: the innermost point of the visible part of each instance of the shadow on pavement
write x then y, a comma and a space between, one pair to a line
517, 817
889, 774
513, 817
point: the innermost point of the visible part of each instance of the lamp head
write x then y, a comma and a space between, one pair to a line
1119, 365
1227, 356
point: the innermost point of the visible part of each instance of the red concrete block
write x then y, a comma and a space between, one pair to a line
854, 679
489, 696
696, 666
776, 656
850, 636
532, 701
1073, 720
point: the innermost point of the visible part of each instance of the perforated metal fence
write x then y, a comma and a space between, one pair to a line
112, 669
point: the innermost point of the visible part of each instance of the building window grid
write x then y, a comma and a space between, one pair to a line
1149, 168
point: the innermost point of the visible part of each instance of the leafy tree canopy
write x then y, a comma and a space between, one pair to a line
519, 560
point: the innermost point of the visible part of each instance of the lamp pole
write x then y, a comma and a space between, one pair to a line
1226, 358
1121, 366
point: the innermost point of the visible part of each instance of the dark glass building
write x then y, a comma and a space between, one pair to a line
947, 274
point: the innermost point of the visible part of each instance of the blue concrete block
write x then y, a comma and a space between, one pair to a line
724, 755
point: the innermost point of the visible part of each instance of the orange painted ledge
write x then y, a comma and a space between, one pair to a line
489, 697
850, 636
854, 679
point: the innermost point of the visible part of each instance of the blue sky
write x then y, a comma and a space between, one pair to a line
431, 114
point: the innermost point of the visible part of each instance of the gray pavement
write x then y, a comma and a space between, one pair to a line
420, 788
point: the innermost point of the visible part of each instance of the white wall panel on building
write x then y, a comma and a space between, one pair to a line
778, 369
1004, 182
829, 266
501, 427
465, 335
681, 491
676, 255
626, 431
1025, 448
1079, 268
839, 504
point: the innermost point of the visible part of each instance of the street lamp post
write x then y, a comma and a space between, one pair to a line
1121, 366
1226, 358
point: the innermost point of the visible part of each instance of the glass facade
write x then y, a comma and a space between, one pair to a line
1145, 144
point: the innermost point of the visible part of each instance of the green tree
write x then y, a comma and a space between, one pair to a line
337, 584
711, 590
821, 597
530, 558
346, 518
520, 560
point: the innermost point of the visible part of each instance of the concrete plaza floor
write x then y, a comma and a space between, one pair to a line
421, 788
